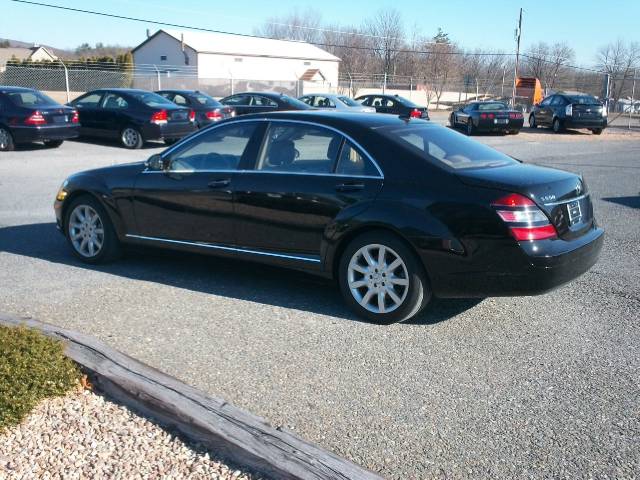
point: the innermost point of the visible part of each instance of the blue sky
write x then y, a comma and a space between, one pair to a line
487, 24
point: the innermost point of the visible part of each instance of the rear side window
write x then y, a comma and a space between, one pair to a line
351, 162
262, 101
237, 100
218, 149
206, 100
113, 101
30, 99
295, 148
492, 106
445, 147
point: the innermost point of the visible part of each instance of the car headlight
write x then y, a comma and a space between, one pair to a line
62, 192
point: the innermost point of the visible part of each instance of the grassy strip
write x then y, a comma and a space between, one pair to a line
32, 368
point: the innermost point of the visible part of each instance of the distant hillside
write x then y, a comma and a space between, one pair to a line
84, 50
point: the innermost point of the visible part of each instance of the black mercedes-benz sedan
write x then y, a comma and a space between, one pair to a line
561, 111
487, 116
395, 210
208, 110
262, 102
394, 104
132, 116
27, 116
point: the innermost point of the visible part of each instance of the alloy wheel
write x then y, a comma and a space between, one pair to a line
86, 231
378, 278
130, 137
5, 139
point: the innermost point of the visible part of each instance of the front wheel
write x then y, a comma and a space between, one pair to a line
557, 126
90, 231
131, 138
53, 143
382, 280
6, 140
597, 131
532, 121
470, 128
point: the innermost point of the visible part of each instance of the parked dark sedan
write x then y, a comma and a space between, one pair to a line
132, 116
395, 210
27, 115
562, 111
487, 116
394, 104
261, 102
208, 109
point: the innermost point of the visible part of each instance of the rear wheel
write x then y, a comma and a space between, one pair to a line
382, 280
130, 137
532, 121
597, 131
557, 126
515, 132
90, 231
6, 140
470, 128
53, 143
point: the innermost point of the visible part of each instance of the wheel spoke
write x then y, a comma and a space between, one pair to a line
358, 284
399, 281
75, 236
99, 231
396, 299
367, 256
92, 247
367, 297
83, 244
382, 252
393, 265
381, 296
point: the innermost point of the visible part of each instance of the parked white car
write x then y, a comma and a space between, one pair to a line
338, 102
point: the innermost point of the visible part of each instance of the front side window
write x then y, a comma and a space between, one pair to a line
352, 163
114, 101
445, 147
90, 101
294, 148
219, 149
366, 101
546, 101
324, 102
558, 101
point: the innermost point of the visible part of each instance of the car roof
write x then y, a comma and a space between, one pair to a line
120, 90
10, 88
183, 91
265, 94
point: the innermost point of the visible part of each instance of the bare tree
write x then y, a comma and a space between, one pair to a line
386, 37
296, 25
548, 63
619, 59
440, 63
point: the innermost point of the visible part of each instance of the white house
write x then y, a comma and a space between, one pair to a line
226, 56
35, 54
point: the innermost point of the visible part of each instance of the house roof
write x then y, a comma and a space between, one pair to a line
21, 53
228, 44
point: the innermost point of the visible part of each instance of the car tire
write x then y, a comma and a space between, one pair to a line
380, 300
452, 121
515, 132
6, 140
556, 126
87, 223
532, 121
131, 138
471, 130
597, 131
53, 143
170, 141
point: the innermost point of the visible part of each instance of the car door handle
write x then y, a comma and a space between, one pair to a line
350, 187
219, 183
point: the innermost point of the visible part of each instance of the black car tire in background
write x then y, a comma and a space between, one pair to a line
470, 128
53, 143
452, 120
532, 121
131, 138
6, 140
409, 269
597, 131
110, 248
556, 125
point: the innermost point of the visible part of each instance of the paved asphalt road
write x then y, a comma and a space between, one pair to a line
534, 387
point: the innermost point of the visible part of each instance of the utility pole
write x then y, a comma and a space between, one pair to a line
515, 73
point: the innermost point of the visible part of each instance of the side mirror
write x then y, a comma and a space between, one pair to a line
157, 163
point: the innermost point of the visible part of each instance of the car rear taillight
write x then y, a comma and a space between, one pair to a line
159, 118
36, 118
415, 113
214, 115
515, 115
192, 115
75, 118
523, 217
490, 116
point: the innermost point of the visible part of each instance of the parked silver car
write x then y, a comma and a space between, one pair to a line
339, 102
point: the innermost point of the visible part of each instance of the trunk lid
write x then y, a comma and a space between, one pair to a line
592, 111
563, 196
57, 115
178, 115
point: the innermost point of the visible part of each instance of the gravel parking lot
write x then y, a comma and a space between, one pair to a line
533, 387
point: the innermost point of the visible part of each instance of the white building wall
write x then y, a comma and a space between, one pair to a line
162, 44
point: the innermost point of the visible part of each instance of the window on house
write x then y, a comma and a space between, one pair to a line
163, 58
238, 59
307, 63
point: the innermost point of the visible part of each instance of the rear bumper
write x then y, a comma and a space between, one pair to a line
491, 126
25, 134
168, 130
572, 122
532, 268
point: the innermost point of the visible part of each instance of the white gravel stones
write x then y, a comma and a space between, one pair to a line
83, 435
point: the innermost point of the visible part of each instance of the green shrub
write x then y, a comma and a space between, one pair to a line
32, 367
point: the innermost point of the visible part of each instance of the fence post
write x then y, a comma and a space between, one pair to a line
410, 88
351, 92
633, 92
477, 90
158, 75
66, 80
384, 83
504, 71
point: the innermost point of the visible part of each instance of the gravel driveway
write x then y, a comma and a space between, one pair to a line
534, 387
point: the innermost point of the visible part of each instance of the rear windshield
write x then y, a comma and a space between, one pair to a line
152, 99
406, 102
295, 102
584, 100
444, 147
492, 106
206, 100
30, 99
349, 101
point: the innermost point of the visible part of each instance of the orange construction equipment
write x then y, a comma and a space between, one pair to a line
529, 90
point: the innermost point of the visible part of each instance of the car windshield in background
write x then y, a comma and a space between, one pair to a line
492, 106
445, 147
30, 99
294, 102
583, 100
152, 99
206, 100
349, 101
